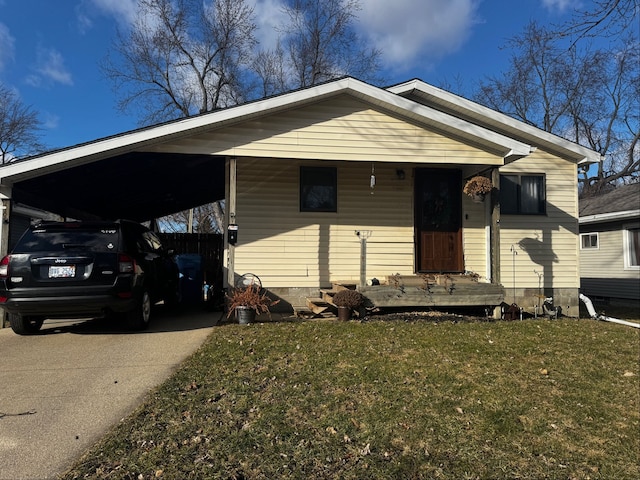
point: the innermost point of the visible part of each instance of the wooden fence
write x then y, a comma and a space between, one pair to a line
209, 245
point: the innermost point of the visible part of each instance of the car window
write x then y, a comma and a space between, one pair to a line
55, 239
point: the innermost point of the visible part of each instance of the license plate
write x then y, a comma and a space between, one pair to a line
62, 271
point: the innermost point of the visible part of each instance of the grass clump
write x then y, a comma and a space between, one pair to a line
381, 400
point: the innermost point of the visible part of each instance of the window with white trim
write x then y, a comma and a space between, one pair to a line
522, 194
589, 241
632, 248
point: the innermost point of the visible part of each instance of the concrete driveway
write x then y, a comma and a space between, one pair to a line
62, 389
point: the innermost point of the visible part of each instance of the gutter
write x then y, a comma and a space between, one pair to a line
608, 217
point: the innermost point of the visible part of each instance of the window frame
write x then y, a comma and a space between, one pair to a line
518, 192
306, 181
590, 247
628, 244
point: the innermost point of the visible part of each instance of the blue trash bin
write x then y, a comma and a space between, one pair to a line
191, 277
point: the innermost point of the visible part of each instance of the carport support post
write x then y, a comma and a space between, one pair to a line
231, 215
5, 198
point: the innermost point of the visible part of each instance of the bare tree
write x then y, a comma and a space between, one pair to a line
19, 127
606, 18
207, 218
318, 43
587, 96
182, 57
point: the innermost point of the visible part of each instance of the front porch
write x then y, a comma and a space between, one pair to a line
429, 290
447, 290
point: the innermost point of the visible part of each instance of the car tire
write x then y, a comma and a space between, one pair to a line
25, 325
140, 317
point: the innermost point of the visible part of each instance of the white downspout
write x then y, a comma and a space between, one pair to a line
597, 316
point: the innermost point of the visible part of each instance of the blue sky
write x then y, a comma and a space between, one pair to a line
50, 50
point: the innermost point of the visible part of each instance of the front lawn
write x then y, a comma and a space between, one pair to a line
427, 398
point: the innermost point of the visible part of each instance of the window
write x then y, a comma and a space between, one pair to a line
318, 189
522, 194
588, 241
632, 248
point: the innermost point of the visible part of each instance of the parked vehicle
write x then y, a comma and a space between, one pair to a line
83, 269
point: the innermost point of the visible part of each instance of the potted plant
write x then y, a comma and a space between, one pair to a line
477, 187
247, 302
347, 300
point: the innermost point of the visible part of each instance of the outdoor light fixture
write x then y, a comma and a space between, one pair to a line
400, 174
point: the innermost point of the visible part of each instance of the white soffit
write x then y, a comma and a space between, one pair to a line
496, 120
138, 140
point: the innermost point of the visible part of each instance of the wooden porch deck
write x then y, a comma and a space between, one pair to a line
448, 290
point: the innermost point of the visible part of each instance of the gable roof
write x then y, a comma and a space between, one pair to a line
621, 203
137, 140
473, 112
86, 179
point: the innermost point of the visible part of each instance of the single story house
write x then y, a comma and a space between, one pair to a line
345, 182
610, 245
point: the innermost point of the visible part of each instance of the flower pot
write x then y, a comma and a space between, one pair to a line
245, 315
344, 313
477, 197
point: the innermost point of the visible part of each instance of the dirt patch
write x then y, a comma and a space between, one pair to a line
427, 316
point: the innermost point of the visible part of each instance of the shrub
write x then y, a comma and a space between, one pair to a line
348, 298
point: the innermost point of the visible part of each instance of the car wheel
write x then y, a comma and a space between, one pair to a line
140, 316
25, 325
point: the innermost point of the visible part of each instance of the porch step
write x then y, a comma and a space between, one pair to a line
324, 303
318, 305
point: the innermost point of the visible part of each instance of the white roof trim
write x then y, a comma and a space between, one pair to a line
137, 140
491, 118
609, 217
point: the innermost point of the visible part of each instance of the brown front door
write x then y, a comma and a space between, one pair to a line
439, 220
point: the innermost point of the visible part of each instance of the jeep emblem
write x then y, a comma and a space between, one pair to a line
61, 260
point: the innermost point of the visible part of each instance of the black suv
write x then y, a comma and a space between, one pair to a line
86, 269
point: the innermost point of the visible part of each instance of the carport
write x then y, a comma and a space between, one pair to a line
112, 178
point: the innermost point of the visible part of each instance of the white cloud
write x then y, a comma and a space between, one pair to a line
407, 31
123, 11
50, 121
561, 6
6, 46
49, 68
269, 15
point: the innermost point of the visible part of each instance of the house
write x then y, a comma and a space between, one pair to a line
610, 244
344, 182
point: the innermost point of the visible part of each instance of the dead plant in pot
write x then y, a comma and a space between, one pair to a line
347, 301
247, 302
477, 187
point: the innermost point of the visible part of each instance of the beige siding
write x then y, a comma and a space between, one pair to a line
342, 128
475, 235
286, 247
607, 261
543, 244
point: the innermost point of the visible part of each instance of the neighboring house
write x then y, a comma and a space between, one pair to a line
314, 176
610, 244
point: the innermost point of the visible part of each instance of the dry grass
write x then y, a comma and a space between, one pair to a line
390, 399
